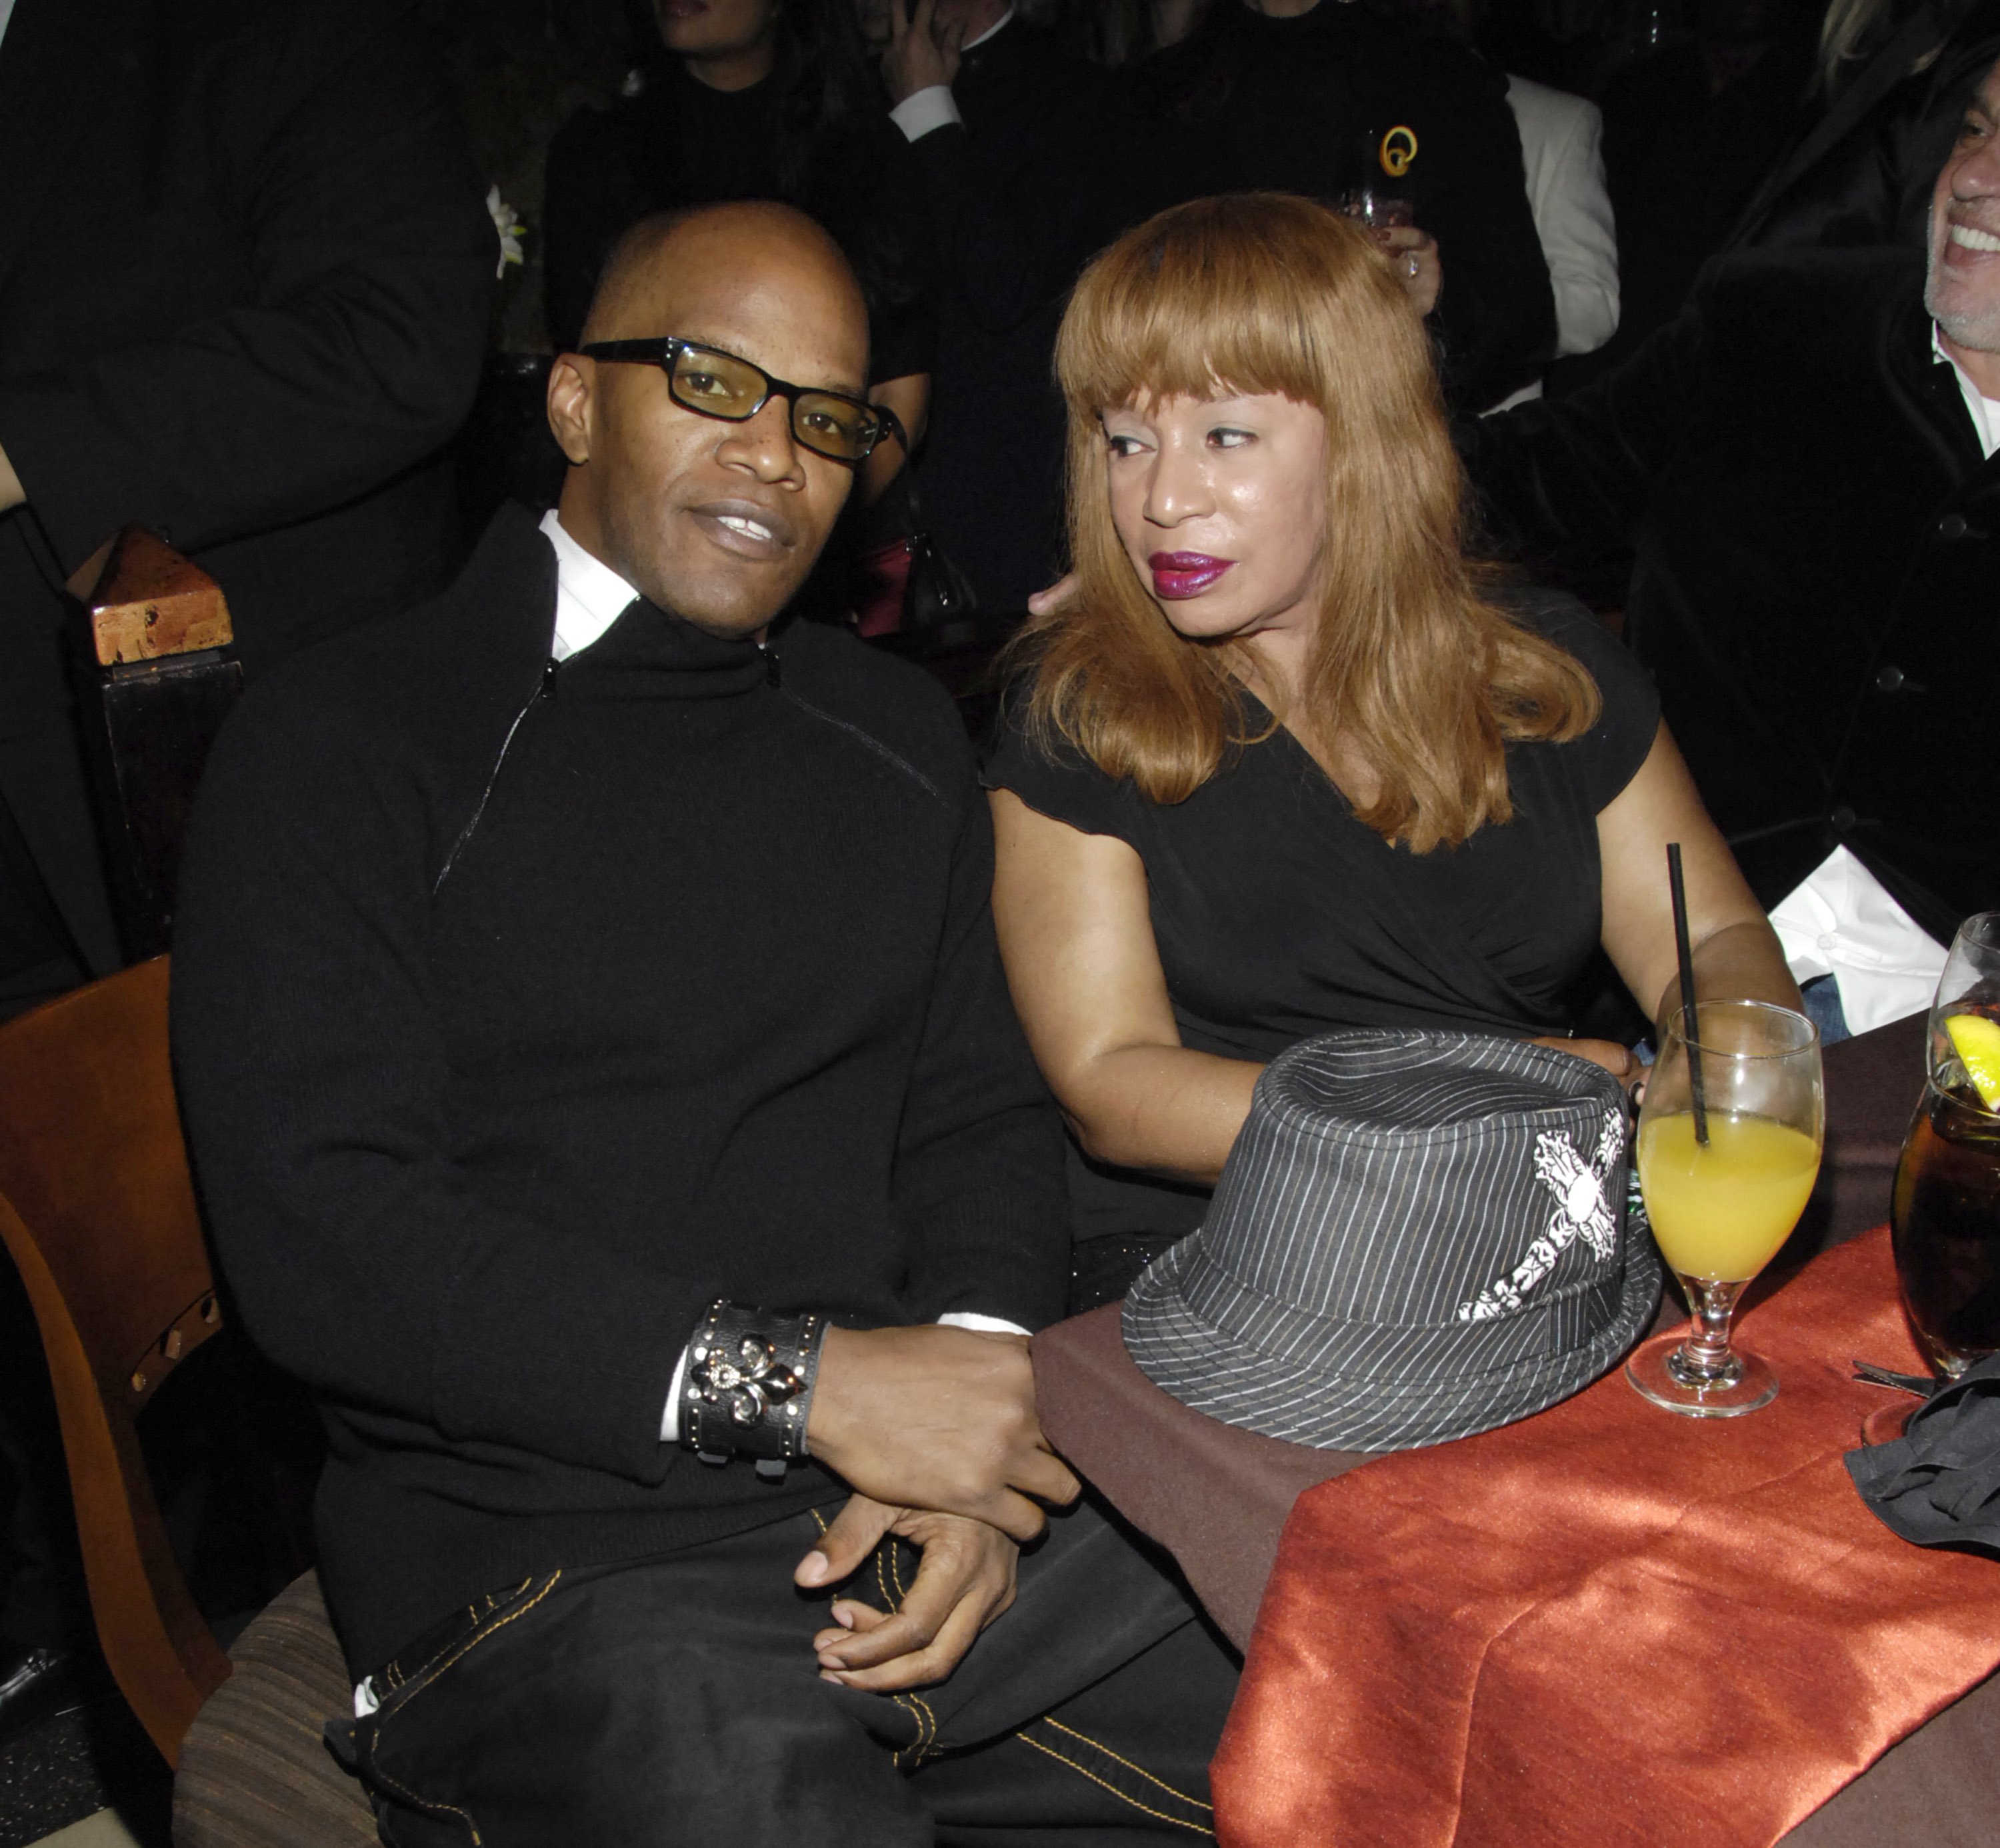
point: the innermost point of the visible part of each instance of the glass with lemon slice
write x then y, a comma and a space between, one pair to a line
1944, 1212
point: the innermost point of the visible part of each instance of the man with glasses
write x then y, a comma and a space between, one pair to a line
604, 1086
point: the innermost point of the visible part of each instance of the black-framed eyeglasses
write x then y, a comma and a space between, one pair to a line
713, 383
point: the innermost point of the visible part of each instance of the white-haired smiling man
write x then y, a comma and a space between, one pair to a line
1962, 290
1802, 469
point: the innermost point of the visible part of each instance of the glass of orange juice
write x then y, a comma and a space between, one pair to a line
1726, 1165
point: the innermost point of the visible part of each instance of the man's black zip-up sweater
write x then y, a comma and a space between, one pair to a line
521, 1010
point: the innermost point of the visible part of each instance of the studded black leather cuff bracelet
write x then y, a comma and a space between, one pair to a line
748, 1385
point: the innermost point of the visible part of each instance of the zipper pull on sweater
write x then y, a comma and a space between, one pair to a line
771, 674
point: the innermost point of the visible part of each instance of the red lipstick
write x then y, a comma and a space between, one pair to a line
1178, 574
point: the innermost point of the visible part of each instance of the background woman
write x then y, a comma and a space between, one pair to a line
754, 99
1285, 761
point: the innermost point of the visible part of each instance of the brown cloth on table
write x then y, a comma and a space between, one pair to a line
1568, 1630
1216, 1497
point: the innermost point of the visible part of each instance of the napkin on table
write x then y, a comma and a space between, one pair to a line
1939, 1484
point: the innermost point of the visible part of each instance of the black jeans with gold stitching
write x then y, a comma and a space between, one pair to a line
676, 1700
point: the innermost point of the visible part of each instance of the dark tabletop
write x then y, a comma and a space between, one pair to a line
1216, 1497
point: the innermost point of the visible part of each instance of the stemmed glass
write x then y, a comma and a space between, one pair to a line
1945, 1212
1728, 1149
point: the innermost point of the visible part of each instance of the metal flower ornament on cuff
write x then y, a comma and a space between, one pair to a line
747, 1389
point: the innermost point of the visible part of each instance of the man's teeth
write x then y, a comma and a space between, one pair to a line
1974, 240
751, 529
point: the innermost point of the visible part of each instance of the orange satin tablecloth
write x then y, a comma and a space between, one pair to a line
1607, 1625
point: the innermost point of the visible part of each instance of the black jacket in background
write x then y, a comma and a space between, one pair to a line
678, 143
1682, 160
244, 272
1817, 588
495, 1077
1042, 173
1247, 103
1873, 184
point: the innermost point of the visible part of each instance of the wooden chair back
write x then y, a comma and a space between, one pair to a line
98, 1211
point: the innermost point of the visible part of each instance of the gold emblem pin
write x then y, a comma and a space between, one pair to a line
1399, 149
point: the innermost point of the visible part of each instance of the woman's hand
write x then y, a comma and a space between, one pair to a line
1615, 1059
1418, 266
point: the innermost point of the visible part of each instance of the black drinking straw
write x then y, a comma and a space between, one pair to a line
1693, 1028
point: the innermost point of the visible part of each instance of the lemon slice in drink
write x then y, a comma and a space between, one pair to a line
1976, 1039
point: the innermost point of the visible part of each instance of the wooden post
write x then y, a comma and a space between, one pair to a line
157, 682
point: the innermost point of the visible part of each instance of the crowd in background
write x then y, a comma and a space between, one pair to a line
1644, 137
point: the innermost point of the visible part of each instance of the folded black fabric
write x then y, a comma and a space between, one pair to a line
1939, 1484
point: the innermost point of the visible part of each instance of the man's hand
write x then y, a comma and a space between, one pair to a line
921, 54
964, 1580
1046, 603
940, 1418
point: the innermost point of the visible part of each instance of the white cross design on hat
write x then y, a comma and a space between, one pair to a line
1581, 1211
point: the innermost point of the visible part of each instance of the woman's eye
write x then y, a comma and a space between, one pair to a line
1124, 445
1972, 129
1227, 437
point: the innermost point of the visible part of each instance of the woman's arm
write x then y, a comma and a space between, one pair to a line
1736, 952
910, 398
1077, 937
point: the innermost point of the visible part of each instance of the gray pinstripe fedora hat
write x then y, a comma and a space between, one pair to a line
1418, 1236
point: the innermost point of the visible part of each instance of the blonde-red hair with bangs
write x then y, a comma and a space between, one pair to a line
1415, 673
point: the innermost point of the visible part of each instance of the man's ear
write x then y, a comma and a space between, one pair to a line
572, 383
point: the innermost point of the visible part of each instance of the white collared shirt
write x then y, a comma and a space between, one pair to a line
590, 595
923, 110
1984, 412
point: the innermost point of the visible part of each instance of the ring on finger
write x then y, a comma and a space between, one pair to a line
1410, 264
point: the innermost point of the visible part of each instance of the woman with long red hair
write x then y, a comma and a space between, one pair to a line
1285, 760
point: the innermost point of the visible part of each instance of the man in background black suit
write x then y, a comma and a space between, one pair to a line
245, 271
1804, 468
1029, 165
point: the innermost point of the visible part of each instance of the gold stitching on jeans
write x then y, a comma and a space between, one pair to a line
1123, 1796
917, 1746
417, 1687
1049, 1719
931, 1740
394, 1669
